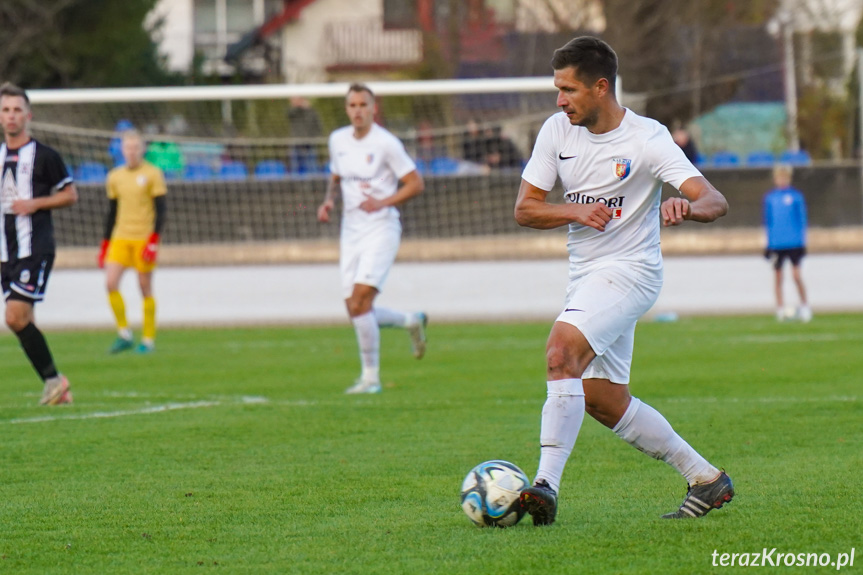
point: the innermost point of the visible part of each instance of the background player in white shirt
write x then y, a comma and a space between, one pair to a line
367, 164
612, 164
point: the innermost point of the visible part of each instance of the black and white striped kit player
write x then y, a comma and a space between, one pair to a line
27, 244
33, 181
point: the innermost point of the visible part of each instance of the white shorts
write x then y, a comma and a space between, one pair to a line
604, 303
367, 258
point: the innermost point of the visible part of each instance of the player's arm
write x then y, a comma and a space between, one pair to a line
334, 191
533, 211
62, 198
701, 203
110, 221
412, 185
151, 249
161, 205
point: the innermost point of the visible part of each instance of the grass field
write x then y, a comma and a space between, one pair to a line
235, 451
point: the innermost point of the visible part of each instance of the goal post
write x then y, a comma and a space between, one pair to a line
247, 165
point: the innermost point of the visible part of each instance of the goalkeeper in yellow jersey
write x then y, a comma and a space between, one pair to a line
136, 192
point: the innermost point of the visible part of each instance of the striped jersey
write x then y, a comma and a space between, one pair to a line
32, 171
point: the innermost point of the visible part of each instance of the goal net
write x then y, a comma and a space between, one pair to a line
247, 166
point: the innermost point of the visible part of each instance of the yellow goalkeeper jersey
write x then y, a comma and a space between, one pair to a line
134, 191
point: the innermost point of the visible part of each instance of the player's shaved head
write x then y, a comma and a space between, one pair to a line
591, 57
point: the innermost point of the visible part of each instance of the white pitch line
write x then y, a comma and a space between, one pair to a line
105, 414
376, 402
813, 399
795, 338
172, 406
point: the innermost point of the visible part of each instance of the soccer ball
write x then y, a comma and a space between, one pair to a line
489, 494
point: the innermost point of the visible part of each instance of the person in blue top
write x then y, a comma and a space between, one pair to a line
785, 220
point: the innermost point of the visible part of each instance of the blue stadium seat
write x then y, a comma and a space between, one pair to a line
760, 159
798, 158
700, 159
423, 167
304, 161
442, 166
270, 170
198, 172
90, 172
725, 160
233, 170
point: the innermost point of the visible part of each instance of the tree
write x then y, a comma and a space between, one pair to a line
79, 43
688, 56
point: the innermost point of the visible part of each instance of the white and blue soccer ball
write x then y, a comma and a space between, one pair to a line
490, 492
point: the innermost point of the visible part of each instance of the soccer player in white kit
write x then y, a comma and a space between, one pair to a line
612, 164
367, 164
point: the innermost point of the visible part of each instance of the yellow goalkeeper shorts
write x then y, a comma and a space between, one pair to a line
127, 253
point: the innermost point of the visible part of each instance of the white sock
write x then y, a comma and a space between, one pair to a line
391, 318
125, 333
562, 416
645, 429
369, 340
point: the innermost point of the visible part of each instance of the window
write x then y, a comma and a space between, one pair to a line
240, 16
220, 23
400, 15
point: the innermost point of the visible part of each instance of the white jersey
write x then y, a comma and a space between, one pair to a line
371, 166
624, 169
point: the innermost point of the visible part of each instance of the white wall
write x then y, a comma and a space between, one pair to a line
176, 38
302, 40
448, 291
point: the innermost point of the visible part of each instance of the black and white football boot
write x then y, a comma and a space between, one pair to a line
704, 497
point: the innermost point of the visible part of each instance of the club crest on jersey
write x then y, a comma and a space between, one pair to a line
621, 167
370, 158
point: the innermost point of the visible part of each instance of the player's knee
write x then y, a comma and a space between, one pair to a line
607, 409
16, 321
358, 306
146, 287
560, 362
112, 283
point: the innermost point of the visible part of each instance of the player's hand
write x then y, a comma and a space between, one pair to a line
674, 211
148, 255
594, 215
103, 251
24, 207
324, 211
371, 204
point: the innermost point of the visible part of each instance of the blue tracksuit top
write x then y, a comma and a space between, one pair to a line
785, 219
